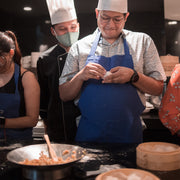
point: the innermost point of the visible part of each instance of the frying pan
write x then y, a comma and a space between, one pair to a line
32, 152
44, 171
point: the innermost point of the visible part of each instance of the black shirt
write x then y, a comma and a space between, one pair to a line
58, 116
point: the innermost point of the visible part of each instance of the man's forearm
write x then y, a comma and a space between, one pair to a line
149, 85
70, 90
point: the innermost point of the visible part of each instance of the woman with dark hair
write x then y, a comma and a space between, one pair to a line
19, 92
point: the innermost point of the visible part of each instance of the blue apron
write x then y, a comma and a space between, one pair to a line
9, 105
110, 112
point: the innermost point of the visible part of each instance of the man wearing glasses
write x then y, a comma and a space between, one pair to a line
113, 69
59, 118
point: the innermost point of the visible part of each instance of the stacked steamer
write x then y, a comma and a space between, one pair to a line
127, 174
158, 156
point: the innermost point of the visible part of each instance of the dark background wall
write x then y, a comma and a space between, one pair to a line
145, 16
172, 38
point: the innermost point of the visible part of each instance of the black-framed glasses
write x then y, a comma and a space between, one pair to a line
107, 19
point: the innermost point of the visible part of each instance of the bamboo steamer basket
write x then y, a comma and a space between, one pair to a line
126, 174
168, 63
158, 156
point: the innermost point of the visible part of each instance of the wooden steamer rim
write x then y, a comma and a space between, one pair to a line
146, 158
126, 171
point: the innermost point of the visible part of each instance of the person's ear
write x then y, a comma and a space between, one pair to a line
52, 31
11, 52
97, 13
78, 25
127, 14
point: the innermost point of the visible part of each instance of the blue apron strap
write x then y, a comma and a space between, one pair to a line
126, 47
95, 43
16, 76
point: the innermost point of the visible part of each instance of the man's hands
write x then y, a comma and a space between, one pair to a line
92, 71
118, 74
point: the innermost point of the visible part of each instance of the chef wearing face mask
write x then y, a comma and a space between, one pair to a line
59, 118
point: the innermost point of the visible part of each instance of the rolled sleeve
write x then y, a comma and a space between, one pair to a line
153, 66
71, 66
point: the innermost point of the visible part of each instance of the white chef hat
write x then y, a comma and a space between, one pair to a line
113, 5
61, 11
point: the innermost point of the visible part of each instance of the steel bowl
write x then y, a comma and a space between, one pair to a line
55, 171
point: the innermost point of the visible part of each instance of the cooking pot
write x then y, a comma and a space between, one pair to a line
43, 172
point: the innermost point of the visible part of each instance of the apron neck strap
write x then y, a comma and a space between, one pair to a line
95, 43
126, 47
